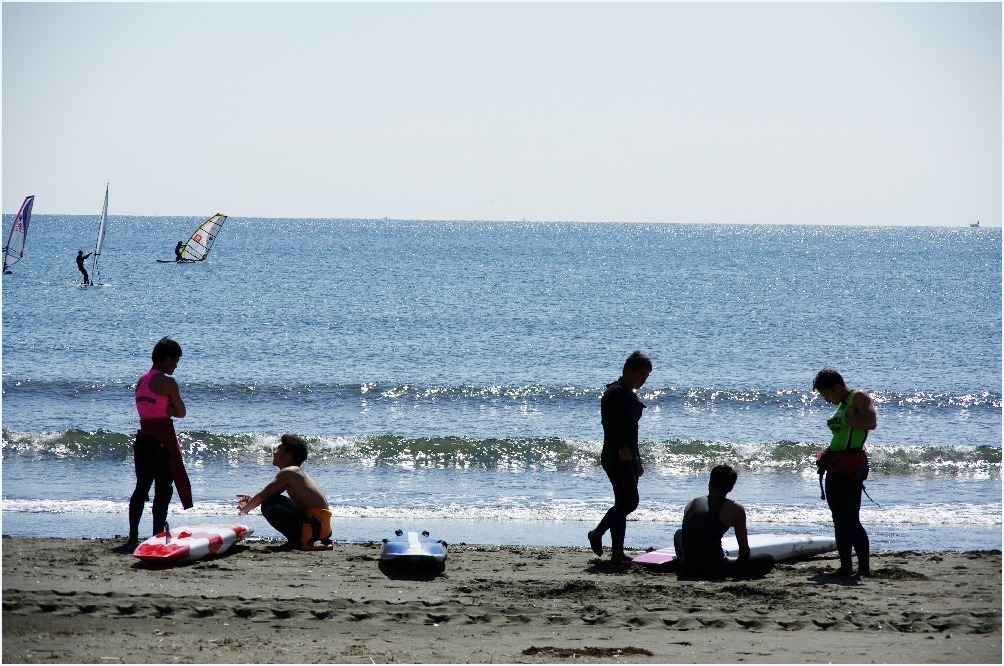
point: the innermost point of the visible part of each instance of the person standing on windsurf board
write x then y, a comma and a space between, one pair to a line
80, 265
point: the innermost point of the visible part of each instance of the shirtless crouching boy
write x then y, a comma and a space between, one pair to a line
302, 517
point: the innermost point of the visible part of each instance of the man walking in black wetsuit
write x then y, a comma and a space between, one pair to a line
620, 411
80, 265
705, 520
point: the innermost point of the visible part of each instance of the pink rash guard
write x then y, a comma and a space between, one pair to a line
155, 423
150, 405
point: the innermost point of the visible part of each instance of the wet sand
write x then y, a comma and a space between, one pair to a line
87, 601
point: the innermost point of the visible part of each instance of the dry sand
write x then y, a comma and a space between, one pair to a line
67, 600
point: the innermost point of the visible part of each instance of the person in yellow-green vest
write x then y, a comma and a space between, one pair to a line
845, 464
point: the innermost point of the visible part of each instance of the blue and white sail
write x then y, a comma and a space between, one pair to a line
101, 239
13, 251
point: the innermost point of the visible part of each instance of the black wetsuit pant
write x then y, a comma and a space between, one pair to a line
843, 495
624, 480
755, 566
283, 515
153, 466
83, 271
751, 567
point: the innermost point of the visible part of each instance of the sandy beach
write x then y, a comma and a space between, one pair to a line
88, 600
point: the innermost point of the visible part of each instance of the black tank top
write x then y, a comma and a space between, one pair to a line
703, 531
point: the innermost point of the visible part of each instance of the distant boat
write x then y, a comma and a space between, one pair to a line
974, 224
14, 250
201, 241
100, 240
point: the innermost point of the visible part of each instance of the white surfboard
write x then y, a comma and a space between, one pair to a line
781, 546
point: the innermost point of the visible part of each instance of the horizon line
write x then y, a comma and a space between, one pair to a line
961, 225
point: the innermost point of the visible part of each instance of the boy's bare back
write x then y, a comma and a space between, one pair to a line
302, 490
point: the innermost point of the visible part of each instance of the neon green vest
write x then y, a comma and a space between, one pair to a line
845, 438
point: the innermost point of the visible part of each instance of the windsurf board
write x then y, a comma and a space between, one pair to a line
414, 549
780, 546
190, 543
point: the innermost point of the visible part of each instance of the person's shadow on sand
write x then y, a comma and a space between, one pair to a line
601, 566
829, 579
125, 548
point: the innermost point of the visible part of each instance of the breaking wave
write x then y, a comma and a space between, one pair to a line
514, 454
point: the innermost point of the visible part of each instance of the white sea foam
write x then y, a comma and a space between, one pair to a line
512, 510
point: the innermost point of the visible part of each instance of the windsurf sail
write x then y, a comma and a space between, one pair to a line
14, 250
101, 239
201, 241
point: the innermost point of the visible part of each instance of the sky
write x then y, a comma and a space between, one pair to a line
814, 113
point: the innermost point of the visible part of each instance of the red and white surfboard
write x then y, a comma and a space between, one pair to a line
191, 542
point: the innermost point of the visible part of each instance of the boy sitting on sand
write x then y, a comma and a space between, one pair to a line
302, 517
705, 520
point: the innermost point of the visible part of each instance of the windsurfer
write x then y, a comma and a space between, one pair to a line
80, 265
177, 250
303, 517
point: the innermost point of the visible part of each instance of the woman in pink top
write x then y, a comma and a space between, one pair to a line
157, 453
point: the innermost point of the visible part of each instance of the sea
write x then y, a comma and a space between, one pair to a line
447, 374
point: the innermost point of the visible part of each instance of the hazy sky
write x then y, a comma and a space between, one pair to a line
778, 113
